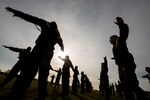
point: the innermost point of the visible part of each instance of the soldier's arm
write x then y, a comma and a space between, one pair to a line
60, 41
124, 32
13, 48
26, 17
71, 65
123, 29
61, 58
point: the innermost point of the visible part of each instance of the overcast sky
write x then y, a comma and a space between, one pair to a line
85, 27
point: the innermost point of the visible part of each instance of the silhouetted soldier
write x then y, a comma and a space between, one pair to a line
82, 82
91, 87
78, 85
101, 89
147, 75
23, 55
125, 61
75, 80
104, 79
66, 75
41, 55
59, 73
87, 86
52, 79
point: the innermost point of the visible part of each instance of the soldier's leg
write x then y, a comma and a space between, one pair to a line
13, 73
127, 90
23, 81
42, 82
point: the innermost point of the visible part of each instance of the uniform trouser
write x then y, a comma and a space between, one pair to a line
23, 81
42, 82
129, 82
44, 67
57, 83
74, 85
13, 73
107, 93
65, 85
82, 87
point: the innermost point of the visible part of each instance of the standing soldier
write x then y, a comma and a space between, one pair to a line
52, 79
40, 58
125, 61
75, 80
23, 56
82, 82
66, 75
104, 79
59, 73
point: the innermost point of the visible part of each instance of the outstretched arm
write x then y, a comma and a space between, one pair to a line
13, 48
61, 58
60, 41
123, 28
26, 17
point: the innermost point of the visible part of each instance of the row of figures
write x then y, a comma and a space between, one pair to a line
38, 60
83, 85
115, 89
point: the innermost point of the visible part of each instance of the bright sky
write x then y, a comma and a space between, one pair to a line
85, 27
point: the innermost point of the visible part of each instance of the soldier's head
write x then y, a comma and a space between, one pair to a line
53, 25
76, 67
113, 39
82, 73
66, 57
59, 69
29, 49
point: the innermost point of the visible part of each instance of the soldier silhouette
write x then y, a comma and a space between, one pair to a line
52, 79
75, 80
40, 57
59, 73
23, 56
82, 82
66, 75
125, 61
104, 80
87, 86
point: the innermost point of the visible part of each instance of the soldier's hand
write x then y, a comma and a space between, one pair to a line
10, 10
4, 46
116, 23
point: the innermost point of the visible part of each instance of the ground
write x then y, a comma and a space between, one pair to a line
31, 93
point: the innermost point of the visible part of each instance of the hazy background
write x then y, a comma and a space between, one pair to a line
85, 27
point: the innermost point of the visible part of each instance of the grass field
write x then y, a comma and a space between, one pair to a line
31, 93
